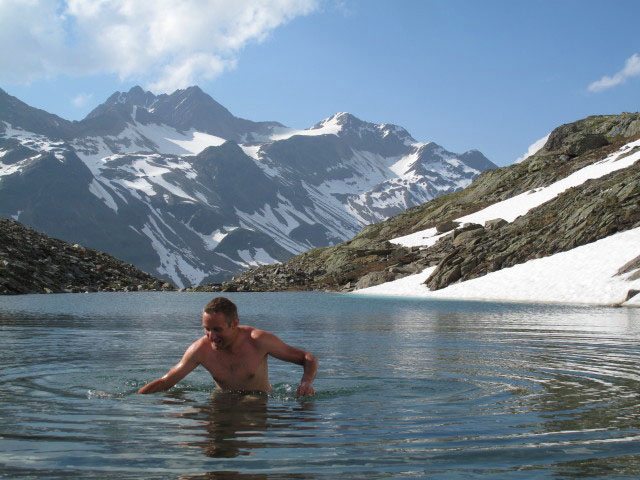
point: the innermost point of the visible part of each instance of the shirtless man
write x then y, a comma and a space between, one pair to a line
235, 355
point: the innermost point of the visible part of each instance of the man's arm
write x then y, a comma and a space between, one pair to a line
280, 350
178, 372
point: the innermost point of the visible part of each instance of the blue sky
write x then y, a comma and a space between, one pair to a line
490, 75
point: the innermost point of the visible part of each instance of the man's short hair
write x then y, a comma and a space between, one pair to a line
222, 305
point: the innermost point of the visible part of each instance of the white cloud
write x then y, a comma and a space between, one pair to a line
631, 69
31, 36
168, 44
188, 70
81, 100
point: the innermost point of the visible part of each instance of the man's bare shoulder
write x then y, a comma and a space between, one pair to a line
199, 347
259, 335
260, 338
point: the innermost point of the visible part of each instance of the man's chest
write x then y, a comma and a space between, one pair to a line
232, 368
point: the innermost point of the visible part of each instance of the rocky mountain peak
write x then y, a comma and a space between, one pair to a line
475, 159
184, 109
136, 96
20, 115
394, 130
345, 118
596, 131
189, 108
339, 121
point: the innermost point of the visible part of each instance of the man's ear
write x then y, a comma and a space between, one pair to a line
235, 321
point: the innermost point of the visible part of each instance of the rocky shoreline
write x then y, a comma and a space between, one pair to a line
31, 262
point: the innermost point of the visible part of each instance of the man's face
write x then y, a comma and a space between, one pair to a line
217, 330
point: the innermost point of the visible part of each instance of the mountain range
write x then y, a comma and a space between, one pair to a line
563, 225
184, 190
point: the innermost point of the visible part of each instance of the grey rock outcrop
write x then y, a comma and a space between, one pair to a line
581, 215
31, 262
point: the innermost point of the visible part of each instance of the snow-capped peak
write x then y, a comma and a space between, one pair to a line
334, 124
390, 129
170, 176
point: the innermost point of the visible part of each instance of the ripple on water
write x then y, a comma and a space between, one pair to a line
410, 392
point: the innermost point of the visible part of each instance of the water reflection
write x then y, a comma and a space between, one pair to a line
230, 475
232, 424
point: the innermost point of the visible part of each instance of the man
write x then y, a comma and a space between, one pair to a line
235, 355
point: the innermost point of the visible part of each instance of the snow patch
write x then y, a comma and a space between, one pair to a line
256, 257
402, 166
212, 240
533, 149
252, 151
11, 169
99, 191
584, 275
196, 142
34, 141
330, 126
172, 262
514, 207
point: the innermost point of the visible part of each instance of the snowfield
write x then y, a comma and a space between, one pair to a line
586, 274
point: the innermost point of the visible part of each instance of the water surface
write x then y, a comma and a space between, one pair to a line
406, 389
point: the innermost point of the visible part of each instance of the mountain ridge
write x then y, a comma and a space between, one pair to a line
591, 210
180, 187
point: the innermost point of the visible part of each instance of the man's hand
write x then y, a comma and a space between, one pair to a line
280, 350
305, 388
178, 372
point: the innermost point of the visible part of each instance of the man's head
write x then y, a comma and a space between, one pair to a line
220, 322
222, 305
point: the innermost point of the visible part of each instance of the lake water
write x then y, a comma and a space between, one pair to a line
406, 389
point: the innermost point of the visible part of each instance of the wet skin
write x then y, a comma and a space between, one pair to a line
237, 358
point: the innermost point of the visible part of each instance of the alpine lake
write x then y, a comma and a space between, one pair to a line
406, 389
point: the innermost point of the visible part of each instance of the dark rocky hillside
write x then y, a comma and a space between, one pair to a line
579, 216
31, 262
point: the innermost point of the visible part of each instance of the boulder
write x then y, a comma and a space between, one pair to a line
374, 278
468, 236
447, 226
495, 224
